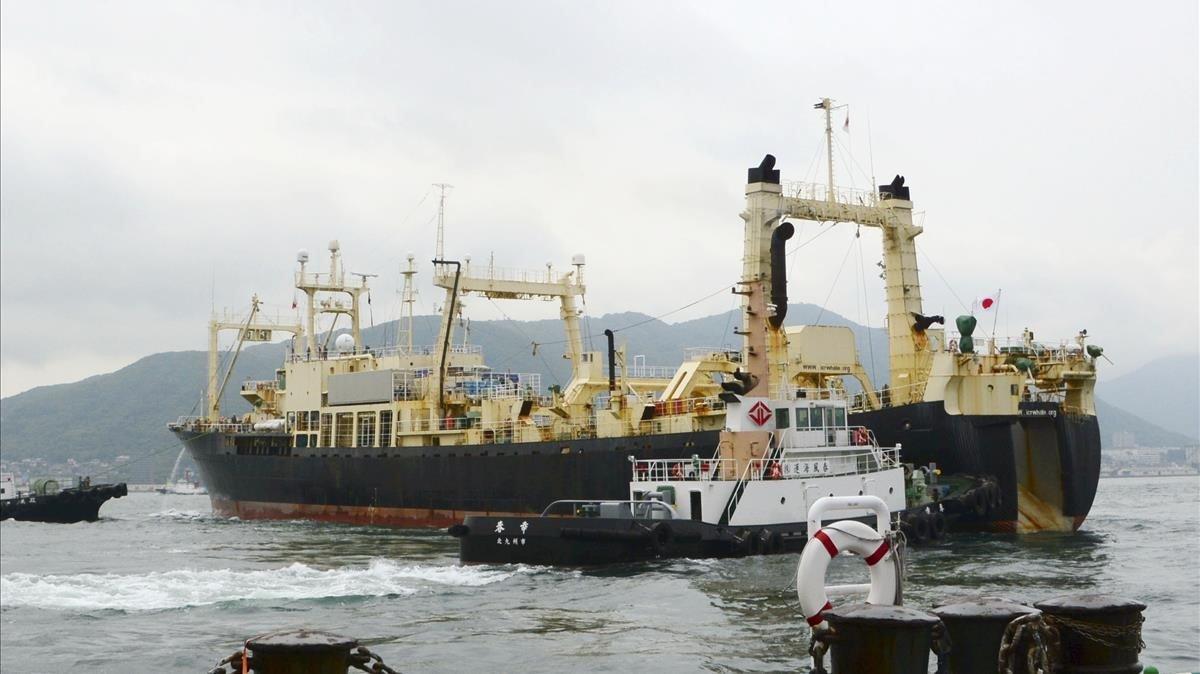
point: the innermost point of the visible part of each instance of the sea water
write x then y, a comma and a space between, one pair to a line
161, 585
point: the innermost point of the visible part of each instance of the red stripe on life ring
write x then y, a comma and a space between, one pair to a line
878, 554
815, 620
827, 542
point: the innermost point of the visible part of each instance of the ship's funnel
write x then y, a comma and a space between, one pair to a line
895, 190
779, 272
765, 172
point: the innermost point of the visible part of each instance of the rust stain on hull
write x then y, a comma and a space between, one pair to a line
370, 515
1035, 514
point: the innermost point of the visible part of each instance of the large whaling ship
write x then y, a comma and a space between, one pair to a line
426, 435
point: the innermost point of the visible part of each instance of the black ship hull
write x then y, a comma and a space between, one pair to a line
1046, 462
259, 476
81, 504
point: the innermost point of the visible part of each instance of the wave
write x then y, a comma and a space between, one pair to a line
188, 587
173, 514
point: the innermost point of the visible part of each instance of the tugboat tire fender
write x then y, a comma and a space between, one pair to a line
661, 538
937, 524
827, 543
922, 527
755, 544
993, 493
977, 500
773, 544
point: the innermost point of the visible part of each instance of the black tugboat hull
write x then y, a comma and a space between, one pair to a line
596, 541
1043, 459
68, 506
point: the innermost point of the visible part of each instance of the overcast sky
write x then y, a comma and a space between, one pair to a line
156, 158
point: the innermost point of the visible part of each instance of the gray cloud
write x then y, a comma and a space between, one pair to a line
149, 149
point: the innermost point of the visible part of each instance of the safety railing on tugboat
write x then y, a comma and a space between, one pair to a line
702, 470
644, 509
827, 465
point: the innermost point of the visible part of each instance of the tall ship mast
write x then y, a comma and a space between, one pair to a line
425, 435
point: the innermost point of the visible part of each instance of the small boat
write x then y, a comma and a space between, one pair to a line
182, 489
773, 461
47, 501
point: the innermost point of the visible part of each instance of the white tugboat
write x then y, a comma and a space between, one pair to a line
773, 462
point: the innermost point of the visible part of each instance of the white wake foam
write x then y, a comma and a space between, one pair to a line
173, 514
186, 587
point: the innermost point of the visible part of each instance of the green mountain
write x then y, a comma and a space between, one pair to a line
1115, 420
126, 412
1164, 392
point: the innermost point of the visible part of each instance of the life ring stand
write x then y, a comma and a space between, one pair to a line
829, 542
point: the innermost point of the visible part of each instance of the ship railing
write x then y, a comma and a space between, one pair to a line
712, 353
492, 385
695, 469
493, 431
204, 425
384, 351
493, 273
648, 509
260, 385
820, 192
1055, 349
666, 408
326, 280
650, 371
887, 397
823, 465
819, 394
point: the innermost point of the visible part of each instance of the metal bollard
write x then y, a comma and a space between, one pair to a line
1100, 634
300, 652
870, 639
976, 629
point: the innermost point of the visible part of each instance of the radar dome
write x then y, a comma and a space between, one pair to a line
302, 256
344, 342
334, 246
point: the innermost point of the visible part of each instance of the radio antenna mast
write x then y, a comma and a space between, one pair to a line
441, 227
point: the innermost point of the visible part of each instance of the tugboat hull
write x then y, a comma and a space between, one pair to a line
1046, 462
81, 504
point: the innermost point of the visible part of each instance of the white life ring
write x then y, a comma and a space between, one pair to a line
823, 546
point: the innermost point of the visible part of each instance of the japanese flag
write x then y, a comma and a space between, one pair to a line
988, 302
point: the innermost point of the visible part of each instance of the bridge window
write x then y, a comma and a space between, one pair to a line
326, 430
366, 429
802, 418
385, 428
839, 417
782, 418
345, 429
